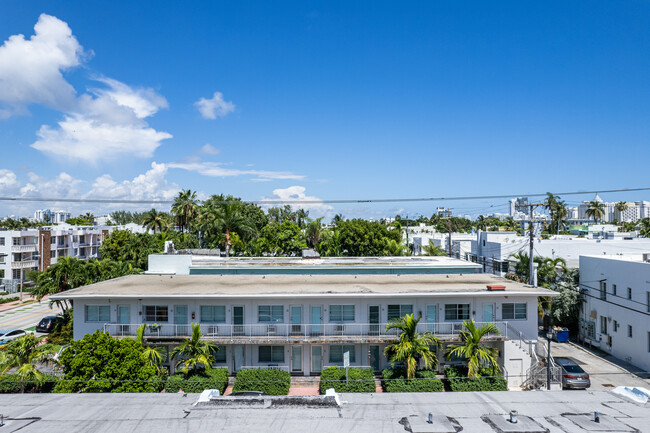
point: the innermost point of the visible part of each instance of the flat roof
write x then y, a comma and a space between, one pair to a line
253, 286
473, 412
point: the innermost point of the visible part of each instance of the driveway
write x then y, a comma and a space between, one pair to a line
605, 371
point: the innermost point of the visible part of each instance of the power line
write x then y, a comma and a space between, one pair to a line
333, 201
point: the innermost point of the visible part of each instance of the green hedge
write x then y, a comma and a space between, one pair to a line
268, 381
215, 378
458, 380
425, 381
359, 380
10, 384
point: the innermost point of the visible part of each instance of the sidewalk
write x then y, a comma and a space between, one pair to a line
26, 299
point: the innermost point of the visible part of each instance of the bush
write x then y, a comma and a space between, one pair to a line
359, 380
215, 378
458, 380
8, 300
271, 381
425, 381
62, 333
10, 384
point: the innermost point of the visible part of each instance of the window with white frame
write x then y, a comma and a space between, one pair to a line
603, 290
156, 313
341, 313
98, 313
270, 313
456, 311
336, 353
15, 241
220, 356
213, 313
271, 354
2, 242
603, 325
513, 311
395, 311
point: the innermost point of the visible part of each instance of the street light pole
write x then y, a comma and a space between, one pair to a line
549, 335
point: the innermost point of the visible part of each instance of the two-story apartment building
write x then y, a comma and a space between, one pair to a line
615, 316
303, 315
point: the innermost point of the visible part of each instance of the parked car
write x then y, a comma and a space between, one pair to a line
47, 324
6, 335
573, 376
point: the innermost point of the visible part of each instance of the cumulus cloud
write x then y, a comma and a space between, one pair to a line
31, 69
214, 107
296, 193
106, 122
151, 185
209, 149
62, 186
216, 169
9, 183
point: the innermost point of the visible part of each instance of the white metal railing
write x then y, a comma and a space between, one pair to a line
526, 345
269, 366
24, 264
23, 248
288, 330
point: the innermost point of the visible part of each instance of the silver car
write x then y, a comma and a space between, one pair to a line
7, 335
573, 376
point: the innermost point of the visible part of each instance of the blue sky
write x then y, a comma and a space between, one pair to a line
329, 100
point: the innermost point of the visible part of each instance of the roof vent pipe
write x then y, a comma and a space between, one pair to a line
513, 416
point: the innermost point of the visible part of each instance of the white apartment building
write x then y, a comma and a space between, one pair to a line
302, 315
615, 316
22, 251
53, 217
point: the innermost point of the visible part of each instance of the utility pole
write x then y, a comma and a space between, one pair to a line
531, 241
448, 218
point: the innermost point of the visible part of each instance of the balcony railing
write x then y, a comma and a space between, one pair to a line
24, 264
288, 331
23, 248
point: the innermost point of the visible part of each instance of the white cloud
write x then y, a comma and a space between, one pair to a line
295, 194
9, 183
31, 69
209, 149
214, 107
144, 102
151, 185
62, 186
216, 169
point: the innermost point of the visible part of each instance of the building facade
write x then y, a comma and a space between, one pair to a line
615, 316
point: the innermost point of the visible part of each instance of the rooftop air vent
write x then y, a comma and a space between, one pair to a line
496, 288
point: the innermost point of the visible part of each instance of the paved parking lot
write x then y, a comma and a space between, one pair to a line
605, 371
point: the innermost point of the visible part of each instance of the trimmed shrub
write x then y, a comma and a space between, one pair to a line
359, 380
215, 378
458, 381
10, 384
268, 381
425, 381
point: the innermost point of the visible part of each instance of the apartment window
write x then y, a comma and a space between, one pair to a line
270, 313
2, 259
341, 313
456, 311
336, 353
52, 254
75, 238
603, 290
603, 325
52, 240
213, 313
629, 331
16, 274
614, 289
647, 300
615, 326
271, 354
399, 310
2, 242
513, 311
629, 293
156, 313
220, 356
98, 313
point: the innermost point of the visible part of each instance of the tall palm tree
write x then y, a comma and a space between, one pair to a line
473, 351
620, 207
395, 248
314, 232
227, 218
194, 353
433, 250
154, 220
561, 213
596, 210
88, 216
25, 354
152, 354
185, 208
302, 215
412, 346
550, 204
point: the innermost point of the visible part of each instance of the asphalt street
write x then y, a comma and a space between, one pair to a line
27, 316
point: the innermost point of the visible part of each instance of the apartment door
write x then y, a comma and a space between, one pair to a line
432, 317
238, 320
123, 319
374, 358
316, 320
180, 320
296, 320
296, 359
238, 356
373, 319
488, 312
316, 359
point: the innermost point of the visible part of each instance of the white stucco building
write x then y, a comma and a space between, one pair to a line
615, 316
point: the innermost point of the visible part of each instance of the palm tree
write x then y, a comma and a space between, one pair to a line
24, 354
473, 351
481, 223
314, 232
551, 204
412, 346
185, 208
620, 207
302, 215
88, 216
193, 353
596, 210
395, 248
227, 218
561, 213
152, 354
154, 220
433, 250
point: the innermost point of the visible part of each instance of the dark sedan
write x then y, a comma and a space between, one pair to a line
573, 376
47, 324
